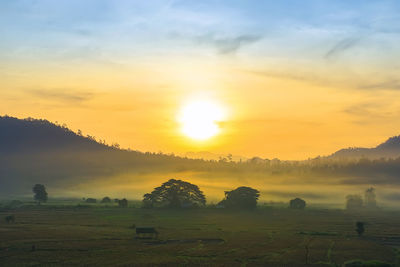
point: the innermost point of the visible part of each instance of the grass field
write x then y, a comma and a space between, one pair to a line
99, 235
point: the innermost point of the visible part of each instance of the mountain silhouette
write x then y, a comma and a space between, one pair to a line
30, 135
388, 149
38, 151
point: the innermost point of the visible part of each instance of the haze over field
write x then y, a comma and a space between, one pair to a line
71, 165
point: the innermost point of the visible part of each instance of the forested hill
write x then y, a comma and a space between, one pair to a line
38, 151
30, 135
388, 149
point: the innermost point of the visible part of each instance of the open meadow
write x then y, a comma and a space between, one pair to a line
84, 234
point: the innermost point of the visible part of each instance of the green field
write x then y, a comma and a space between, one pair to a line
72, 234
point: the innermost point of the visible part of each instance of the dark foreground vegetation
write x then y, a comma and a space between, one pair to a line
78, 233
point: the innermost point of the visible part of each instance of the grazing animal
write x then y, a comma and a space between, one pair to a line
10, 218
146, 233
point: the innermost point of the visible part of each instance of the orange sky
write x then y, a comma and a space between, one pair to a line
269, 116
294, 87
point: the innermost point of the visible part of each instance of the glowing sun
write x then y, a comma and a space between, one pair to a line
199, 119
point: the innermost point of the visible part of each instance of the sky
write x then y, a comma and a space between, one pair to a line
296, 79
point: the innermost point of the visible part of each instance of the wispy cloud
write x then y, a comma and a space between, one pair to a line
62, 95
222, 44
342, 46
282, 75
372, 113
362, 109
227, 45
392, 84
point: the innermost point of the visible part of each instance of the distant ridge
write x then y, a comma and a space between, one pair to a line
35, 135
38, 151
388, 149
31, 135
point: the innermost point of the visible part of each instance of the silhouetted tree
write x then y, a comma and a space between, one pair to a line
175, 194
360, 228
242, 197
354, 202
370, 198
106, 200
148, 201
91, 200
123, 203
297, 203
40, 193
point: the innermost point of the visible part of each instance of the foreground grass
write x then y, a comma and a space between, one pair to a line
101, 235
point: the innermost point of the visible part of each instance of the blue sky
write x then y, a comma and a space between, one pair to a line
42, 27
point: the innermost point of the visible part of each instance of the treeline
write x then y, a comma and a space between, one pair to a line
38, 150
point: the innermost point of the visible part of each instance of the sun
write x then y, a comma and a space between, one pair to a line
199, 119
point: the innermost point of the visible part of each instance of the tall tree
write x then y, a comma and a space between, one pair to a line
40, 193
175, 194
370, 198
242, 197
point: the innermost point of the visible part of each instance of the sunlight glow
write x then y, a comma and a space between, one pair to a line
199, 119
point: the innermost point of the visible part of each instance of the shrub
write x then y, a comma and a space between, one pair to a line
123, 203
106, 200
91, 200
297, 203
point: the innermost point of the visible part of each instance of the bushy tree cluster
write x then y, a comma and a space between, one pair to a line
175, 194
180, 194
242, 197
297, 203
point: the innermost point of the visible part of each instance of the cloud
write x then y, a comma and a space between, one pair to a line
230, 45
223, 45
301, 76
342, 46
372, 113
62, 95
292, 75
363, 109
393, 84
